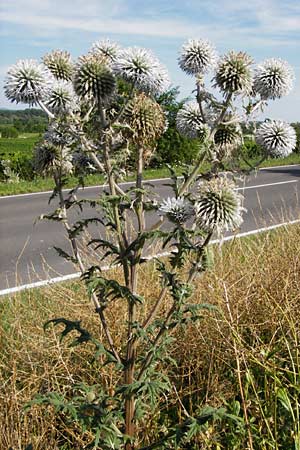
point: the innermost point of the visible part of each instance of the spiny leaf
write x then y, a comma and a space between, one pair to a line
69, 326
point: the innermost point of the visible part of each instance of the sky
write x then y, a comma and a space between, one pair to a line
262, 28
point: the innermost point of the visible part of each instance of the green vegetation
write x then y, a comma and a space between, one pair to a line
172, 149
30, 120
244, 357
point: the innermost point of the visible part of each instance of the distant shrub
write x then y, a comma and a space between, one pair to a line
9, 132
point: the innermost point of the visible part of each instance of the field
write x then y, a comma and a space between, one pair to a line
245, 356
23, 144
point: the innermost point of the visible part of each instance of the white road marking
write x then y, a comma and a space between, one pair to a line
75, 275
265, 185
131, 182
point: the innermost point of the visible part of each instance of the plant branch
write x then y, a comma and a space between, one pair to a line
78, 258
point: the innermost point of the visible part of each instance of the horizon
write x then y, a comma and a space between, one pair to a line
269, 29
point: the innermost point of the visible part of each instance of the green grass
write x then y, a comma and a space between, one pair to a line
24, 143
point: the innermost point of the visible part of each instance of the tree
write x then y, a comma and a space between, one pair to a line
9, 132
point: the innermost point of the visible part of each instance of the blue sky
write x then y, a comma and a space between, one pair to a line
263, 28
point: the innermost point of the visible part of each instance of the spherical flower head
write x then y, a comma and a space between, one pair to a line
197, 56
82, 163
94, 79
218, 206
278, 138
48, 159
146, 120
60, 64
141, 68
274, 78
233, 74
61, 97
177, 210
107, 49
189, 121
228, 135
27, 82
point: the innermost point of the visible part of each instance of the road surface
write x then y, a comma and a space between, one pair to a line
26, 249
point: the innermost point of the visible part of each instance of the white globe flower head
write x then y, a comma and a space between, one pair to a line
94, 79
60, 64
177, 210
218, 206
27, 82
61, 97
278, 138
234, 74
142, 69
274, 78
189, 121
197, 56
106, 48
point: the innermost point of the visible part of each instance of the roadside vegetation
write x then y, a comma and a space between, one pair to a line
244, 356
24, 129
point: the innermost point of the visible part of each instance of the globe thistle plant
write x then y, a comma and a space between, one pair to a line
94, 79
146, 120
197, 56
177, 210
234, 74
60, 64
107, 49
218, 206
142, 69
278, 138
228, 135
82, 163
49, 159
189, 121
61, 97
58, 135
27, 82
273, 79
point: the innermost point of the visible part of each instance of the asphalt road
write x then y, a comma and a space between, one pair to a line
26, 249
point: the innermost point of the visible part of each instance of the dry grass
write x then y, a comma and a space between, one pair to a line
255, 284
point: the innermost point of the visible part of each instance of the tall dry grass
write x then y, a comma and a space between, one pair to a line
240, 356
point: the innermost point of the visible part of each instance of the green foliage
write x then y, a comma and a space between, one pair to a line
172, 148
25, 121
9, 132
296, 126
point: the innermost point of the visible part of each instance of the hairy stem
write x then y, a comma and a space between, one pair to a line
77, 256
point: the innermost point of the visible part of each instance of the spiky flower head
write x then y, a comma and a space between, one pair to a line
141, 68
189, 121
146, 120
94, 79
48, 159
273, 79
218, 206
177, 210
82, 163
278, 138
27, 82
233, 74
107, 49
61, 97
228, 135
60, 64
197, 56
